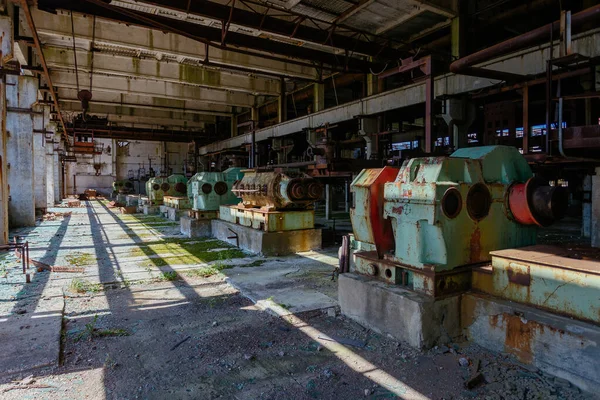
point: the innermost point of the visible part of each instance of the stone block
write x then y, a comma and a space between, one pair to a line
406, 315
194, 228
267, 243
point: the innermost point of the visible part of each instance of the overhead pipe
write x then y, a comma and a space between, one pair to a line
464, 66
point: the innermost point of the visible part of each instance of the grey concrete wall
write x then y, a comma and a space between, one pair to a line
118, 163
20, 154
40, 176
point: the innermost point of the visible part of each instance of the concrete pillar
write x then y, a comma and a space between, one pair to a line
586, 207
234, 125
6, 47
282, 103
318, 97
20, 154
596, 209
372, 85
457, 32
39, 174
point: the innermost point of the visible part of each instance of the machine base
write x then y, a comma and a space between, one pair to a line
267, 243
547, 277
180, 203
420, 320
268, 221
150, 210
174, 214
555, 344
426, 281
132, 200
194, 228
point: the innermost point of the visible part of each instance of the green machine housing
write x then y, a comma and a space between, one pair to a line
426, 225
209, 190
160, 186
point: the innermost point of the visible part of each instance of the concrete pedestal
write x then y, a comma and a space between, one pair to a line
194, 228
267, 243
174, 214
555, 344
409, 316
150, 210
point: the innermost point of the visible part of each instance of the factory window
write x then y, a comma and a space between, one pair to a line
445, 141
472, 138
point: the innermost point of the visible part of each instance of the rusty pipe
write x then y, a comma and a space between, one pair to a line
464, 66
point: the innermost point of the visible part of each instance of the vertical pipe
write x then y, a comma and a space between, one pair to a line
429, 95
347, 193
327, 201
526, 119
548, 103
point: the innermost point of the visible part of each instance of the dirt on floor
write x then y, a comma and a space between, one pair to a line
198, 338
148, 314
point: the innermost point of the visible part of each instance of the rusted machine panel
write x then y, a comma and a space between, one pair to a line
368, 222
278, 191
447, 214
547, 277
274, 201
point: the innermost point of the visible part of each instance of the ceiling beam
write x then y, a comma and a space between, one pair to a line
153, 88
388, 27
62, 58
212, 36
162, 135
56, 30
148, 103
278, 26
125, 114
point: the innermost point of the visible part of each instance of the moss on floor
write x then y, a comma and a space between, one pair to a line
79, 259
172, 251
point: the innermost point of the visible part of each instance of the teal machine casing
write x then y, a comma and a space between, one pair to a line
446, 215
209, 190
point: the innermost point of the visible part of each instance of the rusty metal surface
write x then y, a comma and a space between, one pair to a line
268, 221
545, 277
277, 190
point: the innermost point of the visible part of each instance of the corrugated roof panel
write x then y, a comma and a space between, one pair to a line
330, 6
381, 13
415, 25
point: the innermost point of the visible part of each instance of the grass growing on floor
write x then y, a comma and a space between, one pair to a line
90, 331
174, 251
79, 259
83, 286
168, 276
208, 271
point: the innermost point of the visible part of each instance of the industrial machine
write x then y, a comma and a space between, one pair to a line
275, 216
122, 187
274, 201
208, 190
155, 189
160, 186
425, 226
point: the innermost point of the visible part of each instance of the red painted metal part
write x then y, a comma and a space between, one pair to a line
519, 204
380, 227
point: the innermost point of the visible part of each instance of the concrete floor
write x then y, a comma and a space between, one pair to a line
151, 316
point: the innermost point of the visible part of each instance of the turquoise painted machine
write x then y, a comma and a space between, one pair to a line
428, 224
209, 190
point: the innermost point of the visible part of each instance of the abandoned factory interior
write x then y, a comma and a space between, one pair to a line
300, 199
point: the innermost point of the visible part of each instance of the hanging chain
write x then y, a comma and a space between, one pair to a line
74, 52
92, 50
